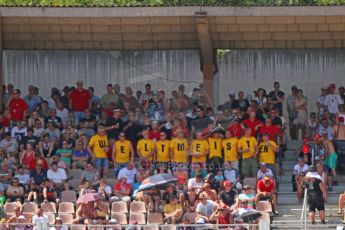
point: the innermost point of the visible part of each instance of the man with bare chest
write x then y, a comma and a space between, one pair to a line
330, 157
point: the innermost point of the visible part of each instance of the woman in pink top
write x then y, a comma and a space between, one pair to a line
27, 156
182, 177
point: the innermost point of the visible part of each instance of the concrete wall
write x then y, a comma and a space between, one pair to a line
47, 69
239, 70
309, 69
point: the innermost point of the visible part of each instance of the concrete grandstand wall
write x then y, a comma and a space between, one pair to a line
46, 69
309, 69
238, 69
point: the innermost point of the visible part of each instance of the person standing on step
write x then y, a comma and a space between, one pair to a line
339, 143
316, 195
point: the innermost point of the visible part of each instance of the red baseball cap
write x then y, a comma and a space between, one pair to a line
226, 183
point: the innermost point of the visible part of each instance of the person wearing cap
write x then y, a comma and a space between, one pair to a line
114, 125
300, 167
292, 113
247, 147
267, 153
31, 99
235, 127
199, 149
266, 191
155, 108
204, 210
79, 100
172, 211
179, 148
276, 98
248, 195
154, 131
332, 101
98, 148
264, 171
17, 106
123, 152
122, 190
227, 196
316, 195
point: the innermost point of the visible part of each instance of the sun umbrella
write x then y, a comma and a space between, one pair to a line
250, 216
156, 181
88, 197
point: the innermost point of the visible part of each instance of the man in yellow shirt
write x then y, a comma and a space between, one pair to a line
172, 211
247, 147
199, 149
267, 153
229, 146
145, 149
122, 152
162, 150
179, 148
98, 147
215, 158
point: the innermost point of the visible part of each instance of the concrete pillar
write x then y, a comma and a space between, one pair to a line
1, 78
206, 54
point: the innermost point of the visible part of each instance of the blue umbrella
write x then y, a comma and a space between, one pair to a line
156, 181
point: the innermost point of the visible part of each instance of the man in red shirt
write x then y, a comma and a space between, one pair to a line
252, 123
272, 130
235, 127
17, 106
155, 131
265, 191
80, 100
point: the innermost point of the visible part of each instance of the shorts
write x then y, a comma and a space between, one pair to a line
316, 204
249, 167
264, 198
331, 160
101, 163
340, 146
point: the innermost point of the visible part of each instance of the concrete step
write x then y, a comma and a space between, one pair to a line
287, 187
292, 145
291, 198
331, 212
291, 155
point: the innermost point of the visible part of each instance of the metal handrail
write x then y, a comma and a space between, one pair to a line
304, 211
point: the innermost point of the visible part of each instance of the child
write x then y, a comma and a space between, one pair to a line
33, 194
220, 176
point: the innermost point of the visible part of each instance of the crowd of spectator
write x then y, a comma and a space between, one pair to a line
226, 160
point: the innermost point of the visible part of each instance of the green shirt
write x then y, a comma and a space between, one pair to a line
65, 155
109, 98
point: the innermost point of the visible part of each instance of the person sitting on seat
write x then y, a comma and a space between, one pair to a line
172, 211
265, 191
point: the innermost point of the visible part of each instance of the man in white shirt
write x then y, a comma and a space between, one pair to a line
205, 209
333, 100
58, 176
230, 173
196, 183
39, 217
264, 171
19, 131
129, 172
301, 167
9, 144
